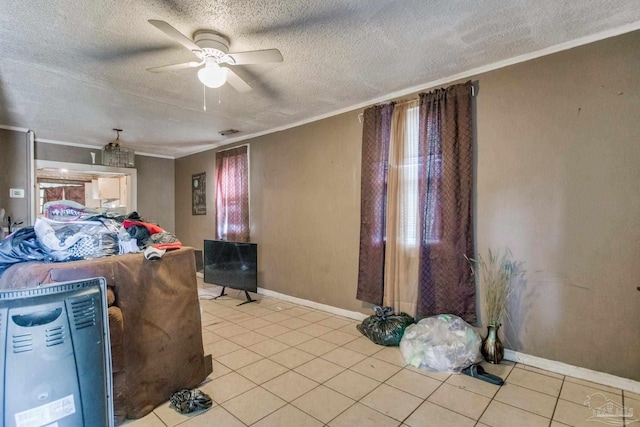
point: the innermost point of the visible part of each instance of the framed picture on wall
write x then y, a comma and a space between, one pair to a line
199, 194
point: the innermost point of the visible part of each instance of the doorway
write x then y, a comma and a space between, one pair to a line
103, 188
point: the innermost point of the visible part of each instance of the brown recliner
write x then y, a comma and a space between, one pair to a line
154, 322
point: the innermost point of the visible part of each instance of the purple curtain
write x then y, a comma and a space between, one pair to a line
53, 193
446, 219
232, 195
375, 155
75, 193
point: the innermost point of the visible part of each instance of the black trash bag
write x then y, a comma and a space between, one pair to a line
385, 327
185, 401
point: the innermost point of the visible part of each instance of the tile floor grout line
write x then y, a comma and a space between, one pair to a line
229, 412
375, 388
346, 409
283, 322
504, 381
265, 416
408, 392
298, 397
624, 415
488, 404
306, 413
449, 409
539, 371
524, 410
557, 398
425, 400
553, 414
337, 391
304, 394
600, 387
532, 389
469, 390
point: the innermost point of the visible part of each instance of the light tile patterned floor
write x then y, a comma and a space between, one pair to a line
277, 364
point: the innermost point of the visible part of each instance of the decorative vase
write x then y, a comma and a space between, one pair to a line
492, 349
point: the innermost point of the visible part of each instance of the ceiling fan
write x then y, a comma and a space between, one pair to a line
212, 49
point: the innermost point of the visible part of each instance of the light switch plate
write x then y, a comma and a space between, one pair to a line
16, 193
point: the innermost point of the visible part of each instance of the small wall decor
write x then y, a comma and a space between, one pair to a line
199, 194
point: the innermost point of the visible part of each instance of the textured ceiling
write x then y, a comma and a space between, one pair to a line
71, 70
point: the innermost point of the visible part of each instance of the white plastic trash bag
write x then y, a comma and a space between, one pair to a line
74, 240
443, 343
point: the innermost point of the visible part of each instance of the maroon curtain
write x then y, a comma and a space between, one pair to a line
375, 156
446, 227
232, 195
75, 193
53, 193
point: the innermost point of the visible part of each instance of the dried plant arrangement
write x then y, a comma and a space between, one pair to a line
498, 272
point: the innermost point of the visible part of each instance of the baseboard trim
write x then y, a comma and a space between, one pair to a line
513, 356
573, 371
312, 304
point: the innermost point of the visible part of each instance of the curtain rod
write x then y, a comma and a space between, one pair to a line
234, 147
361, 115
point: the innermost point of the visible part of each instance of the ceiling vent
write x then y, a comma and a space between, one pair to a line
228, 132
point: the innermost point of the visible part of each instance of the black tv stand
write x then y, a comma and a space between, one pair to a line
249, 299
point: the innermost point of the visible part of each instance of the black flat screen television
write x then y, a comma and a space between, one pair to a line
231, 264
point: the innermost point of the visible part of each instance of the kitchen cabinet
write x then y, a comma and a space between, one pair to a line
109, 188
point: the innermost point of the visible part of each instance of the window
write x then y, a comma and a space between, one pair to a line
409, 229
41, 200
409, 169
62, 190
427, 222
232, 194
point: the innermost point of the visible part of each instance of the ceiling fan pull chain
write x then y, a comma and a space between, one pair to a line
204, 97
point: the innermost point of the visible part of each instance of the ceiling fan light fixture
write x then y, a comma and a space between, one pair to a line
212, 75
212, 49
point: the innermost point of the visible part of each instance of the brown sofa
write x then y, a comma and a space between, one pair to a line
154, 322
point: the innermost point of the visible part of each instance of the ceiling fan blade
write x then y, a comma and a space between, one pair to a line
172, 67
310, 20
236, 82
256, 57
175, 34
120, 53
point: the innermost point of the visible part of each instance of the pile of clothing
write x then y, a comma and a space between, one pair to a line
70, 232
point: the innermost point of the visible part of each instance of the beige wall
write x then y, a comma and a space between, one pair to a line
558, 181
305, 204
156, 191
305, 207
558, 173
13, 174
65, 153
191, 229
